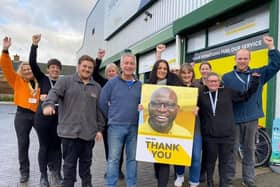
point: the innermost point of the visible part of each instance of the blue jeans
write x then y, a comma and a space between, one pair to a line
194, 173
245, 137
119, 136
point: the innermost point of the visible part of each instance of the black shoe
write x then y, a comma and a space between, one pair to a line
210, 184
44, 181
121, 175
24, 178
202, 177
87, 185
248, 184
56, 178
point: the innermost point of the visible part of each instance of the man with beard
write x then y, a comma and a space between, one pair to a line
163, 109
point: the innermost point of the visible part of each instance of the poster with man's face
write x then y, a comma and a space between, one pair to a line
166, 124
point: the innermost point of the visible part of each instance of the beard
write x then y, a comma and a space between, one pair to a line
160, 128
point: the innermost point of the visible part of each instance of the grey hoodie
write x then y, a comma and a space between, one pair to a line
78, 115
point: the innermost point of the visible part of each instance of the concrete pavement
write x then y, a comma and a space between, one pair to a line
9, 174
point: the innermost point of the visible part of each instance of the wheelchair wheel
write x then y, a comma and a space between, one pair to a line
263, 148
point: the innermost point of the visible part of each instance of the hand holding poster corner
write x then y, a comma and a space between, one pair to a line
166, 124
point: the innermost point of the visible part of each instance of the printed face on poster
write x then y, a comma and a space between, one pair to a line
166, 124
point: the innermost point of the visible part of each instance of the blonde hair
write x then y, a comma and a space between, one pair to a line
19, 69
111, 65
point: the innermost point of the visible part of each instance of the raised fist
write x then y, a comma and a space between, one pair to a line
269, 42
7, 42
160, 48
101, 54
36, 39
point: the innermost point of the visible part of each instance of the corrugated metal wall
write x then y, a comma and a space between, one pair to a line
93, 41
164, 12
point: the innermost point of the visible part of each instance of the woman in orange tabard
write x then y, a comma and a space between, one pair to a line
26, 97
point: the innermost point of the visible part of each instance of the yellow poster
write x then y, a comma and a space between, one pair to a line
166, 124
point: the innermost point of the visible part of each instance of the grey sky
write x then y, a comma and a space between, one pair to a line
61, 23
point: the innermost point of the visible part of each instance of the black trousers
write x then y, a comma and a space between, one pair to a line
23, 122
203, 170
106, 147
50, 144
74, 150
162, 174
223, 151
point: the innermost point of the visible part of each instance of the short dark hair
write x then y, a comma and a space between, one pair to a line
54, 61
87, 58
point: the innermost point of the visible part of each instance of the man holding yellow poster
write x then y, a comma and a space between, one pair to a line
166, 124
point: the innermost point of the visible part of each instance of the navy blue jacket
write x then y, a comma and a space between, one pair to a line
252, 109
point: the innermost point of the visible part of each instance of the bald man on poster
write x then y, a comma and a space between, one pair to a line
163, 109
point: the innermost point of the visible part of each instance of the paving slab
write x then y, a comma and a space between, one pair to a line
9, 174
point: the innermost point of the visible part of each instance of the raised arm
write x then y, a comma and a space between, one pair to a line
99, 58
159, 49
33, 58
95, 75
6, 63
268, 71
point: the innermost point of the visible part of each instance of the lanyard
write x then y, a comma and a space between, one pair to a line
51, 83
213, 102
241, 80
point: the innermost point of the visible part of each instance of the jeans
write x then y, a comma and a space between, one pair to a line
245, 137
75, 150
105, 140
119, 136
23, 124
194, 173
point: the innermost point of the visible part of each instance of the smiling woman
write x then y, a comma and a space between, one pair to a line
26, 97
161, 75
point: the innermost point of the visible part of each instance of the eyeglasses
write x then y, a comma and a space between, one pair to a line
213, 81
169, 106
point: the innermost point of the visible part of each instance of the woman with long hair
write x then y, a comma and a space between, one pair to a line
161, 75
26, 98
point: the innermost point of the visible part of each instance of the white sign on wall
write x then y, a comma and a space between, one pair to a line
147, 61
196, 41
239, 26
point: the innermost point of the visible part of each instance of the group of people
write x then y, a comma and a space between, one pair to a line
77, 110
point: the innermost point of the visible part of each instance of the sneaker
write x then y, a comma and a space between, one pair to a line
248, 184
179, 181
